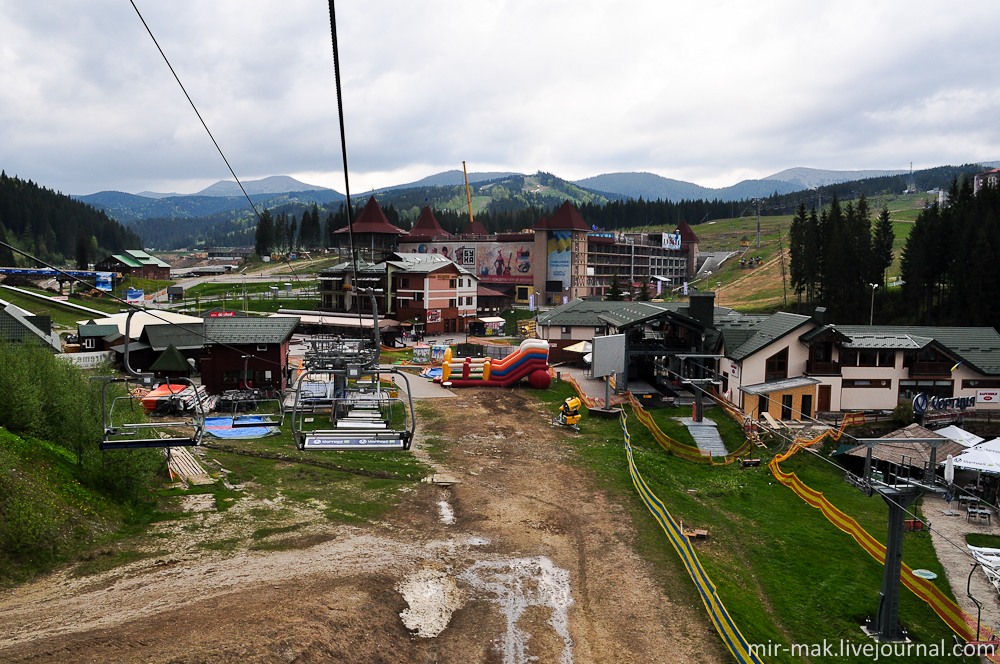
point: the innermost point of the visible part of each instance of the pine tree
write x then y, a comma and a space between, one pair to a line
882, 241
82, 250
615, 294
292, 231
644, 293
6, 255
797, 251
264, 239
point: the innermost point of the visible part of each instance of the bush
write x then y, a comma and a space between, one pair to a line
902, 415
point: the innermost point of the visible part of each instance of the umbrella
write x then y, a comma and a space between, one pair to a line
979, 459
949, 470
580, 347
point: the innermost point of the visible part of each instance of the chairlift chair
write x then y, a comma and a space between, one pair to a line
138, 435
361, 417
255, 398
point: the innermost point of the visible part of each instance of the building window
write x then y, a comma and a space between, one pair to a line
867, 382
980, 384
468, 301
89, 343
451, 302
420, 297
451, 283
776, 367
404, 282
887, 358
786, 406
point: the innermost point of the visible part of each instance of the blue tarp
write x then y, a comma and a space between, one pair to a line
222, 427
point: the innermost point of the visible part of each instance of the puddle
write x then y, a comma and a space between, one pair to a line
521, 583
432, 597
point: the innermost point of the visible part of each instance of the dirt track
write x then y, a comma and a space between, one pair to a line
522, 560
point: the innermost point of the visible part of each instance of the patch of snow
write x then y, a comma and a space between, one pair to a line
518, 584
447, 514
432, 597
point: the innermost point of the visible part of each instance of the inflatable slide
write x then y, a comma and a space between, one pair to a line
531, 359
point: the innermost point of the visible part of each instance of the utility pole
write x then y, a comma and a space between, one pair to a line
757, 201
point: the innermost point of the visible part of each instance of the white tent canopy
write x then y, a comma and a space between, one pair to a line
987, 461
960, 436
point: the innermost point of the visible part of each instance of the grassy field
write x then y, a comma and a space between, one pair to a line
783, 571
761, 288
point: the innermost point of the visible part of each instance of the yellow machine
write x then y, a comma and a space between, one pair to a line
569, 413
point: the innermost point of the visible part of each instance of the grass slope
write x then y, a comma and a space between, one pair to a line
784, 572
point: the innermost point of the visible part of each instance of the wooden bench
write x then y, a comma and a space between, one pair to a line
749, 463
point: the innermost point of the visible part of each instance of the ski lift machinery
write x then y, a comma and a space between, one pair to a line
137, 435
251, 398
363, 415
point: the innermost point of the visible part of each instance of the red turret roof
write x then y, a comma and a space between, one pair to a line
475, 228
565, 218
372, 220
428, 225
687, 235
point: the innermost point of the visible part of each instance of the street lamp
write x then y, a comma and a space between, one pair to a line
871, 317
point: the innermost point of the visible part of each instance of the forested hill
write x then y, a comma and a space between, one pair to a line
48, 224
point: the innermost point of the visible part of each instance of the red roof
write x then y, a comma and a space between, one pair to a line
475, 228
428, 224
565, 218
372, 220
687, 235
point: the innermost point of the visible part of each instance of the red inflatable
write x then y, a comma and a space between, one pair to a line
539, 379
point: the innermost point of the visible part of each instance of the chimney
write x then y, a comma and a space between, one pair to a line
819, 316
701, 307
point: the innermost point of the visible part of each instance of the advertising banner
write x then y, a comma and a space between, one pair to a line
433, 315
560, 251
134, 296
103, 281
531, 302
671, 240
492, 262
987, 396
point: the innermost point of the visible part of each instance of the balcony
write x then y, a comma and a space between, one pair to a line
816, 368
931, 369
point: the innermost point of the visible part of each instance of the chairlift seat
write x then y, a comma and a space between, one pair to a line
248, 421
355, 440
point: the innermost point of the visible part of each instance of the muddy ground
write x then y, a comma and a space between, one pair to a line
523, 559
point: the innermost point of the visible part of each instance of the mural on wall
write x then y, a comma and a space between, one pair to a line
560, 251
492, 262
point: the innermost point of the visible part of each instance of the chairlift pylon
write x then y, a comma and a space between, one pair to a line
136, 435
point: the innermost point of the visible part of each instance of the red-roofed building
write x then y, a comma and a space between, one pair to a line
560, 259
373, 234
987, 179
427, 228
475, 228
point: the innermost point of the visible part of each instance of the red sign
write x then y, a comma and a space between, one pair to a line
222, 314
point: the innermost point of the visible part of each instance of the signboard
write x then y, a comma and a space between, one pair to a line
61, 298
103, 281
433, 315
988, 396
222, 314
559, 257
134, 296
89, 360
492, 262
685, 288
734, 370
531, 302
922, 403
608, 355
671, 240
602, 234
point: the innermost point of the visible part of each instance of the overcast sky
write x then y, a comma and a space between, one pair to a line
710, 92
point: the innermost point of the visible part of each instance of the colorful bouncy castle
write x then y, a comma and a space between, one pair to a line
530, 360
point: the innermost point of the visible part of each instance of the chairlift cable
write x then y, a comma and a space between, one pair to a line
190, 101
131, 305
343, 149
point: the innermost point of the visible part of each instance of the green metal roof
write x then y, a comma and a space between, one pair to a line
766, 332
170, 360
183, 336
271, 330
979, 347
94, 330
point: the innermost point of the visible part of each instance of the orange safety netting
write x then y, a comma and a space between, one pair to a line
958, 620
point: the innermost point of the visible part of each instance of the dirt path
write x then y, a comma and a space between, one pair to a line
522, 559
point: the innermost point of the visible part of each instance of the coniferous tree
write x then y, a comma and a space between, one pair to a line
884, 236
615, 294
797, 251
292, 234
264, 240
6, 255
281, 231
82, 250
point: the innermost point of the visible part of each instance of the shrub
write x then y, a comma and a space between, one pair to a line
902, 415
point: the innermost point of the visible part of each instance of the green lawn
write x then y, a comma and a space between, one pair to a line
784, 572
